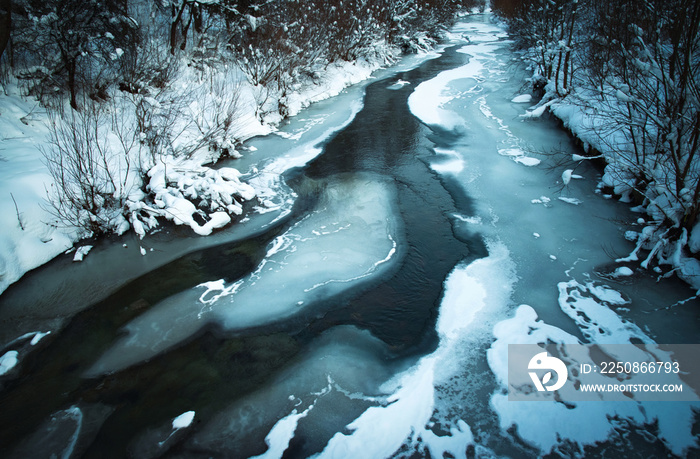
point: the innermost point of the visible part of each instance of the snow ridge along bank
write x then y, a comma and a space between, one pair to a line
640, 115
351, 237
176, 186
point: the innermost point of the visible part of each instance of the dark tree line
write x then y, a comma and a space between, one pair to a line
131, 83
85, 47
639, 61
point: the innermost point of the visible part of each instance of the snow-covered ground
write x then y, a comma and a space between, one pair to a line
519, 259
27, 239
590, 118
32, 235
543, 279
348, 239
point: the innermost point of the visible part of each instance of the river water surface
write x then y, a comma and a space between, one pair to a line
358, 311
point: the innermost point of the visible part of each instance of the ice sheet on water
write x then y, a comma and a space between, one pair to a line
351, 236
268, 181
8, 361
428, 100
57, 436
588, 305
381, 430
522, 99
344, 367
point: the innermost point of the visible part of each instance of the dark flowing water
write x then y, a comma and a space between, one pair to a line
205, 373
234, 380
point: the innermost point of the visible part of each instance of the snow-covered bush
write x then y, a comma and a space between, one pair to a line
633, 95
189, 194
160, 85
69, 45
140, 157
90, 158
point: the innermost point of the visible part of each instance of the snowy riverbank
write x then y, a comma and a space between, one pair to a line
419, 234
32, 235
661, 214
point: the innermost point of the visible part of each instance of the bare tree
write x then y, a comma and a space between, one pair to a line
68, 44
91, 169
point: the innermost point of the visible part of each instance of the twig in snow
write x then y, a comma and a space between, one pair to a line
19, 219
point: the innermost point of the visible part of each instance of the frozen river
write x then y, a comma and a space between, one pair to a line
409, 230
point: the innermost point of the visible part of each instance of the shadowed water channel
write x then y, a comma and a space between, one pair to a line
214, 368
441, 197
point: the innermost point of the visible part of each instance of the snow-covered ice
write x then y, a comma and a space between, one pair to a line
522, 99
381, 430
352, 236
8, 361
560, 422
184, 420
429, 98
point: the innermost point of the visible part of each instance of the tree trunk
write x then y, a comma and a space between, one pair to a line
70, 66
174, 25
5, 24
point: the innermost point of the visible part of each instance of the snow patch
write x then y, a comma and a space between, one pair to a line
541, 200
589, 306
573, 201
527, 161
8, 361
519, 156
184, 420
522, 99
283, 431
398, 84
622, 271
81, 252
351, 237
